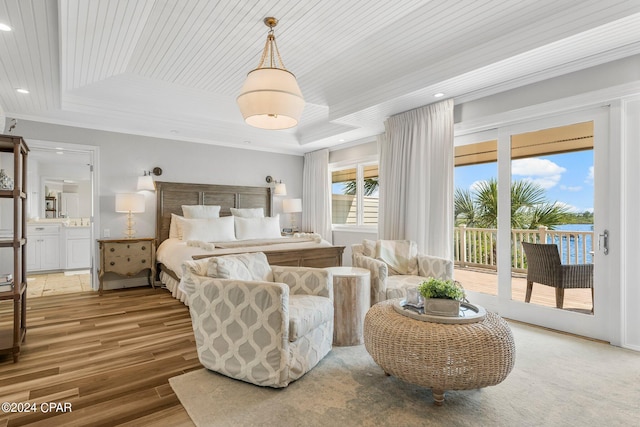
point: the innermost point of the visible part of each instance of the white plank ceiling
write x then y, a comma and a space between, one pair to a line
173, 69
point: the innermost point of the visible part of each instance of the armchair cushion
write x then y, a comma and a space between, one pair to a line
397, 285
307, 312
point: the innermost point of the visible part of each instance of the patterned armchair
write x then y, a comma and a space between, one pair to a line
386, 281
266, 325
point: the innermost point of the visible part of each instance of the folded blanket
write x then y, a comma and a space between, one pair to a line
399, 255
207, 246
263, 242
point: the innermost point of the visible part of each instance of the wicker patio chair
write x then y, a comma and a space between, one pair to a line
544, 267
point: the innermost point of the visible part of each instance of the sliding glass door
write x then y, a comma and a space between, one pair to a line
550, 189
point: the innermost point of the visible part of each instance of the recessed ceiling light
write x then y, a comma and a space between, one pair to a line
438, 95
21, 90
59, 152
341, 140
5, 27
59, 148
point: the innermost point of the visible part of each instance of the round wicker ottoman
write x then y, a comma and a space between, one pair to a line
439, 356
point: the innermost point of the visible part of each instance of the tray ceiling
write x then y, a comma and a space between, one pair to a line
173, 69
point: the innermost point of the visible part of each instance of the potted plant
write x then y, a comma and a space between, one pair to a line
441, 297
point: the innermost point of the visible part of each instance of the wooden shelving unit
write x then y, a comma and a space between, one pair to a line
12, 337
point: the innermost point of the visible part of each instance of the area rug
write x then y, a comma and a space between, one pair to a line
558, 380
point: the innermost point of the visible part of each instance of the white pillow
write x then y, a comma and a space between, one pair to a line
208, 229
257, 228
201, 211
248, 212
175, 227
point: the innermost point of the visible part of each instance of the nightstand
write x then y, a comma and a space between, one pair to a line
127, 257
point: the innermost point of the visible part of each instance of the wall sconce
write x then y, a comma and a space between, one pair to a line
279, 188
129, 203
292, 206
146, 182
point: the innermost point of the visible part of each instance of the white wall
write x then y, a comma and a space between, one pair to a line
124, 157
630, 231
591, 79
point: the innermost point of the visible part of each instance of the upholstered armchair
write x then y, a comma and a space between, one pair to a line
387, 281
266, 325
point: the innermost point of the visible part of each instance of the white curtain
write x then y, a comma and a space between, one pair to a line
416, 178
316, 194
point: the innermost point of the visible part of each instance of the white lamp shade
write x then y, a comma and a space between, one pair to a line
280, 189
291, 205
271, 99
146, 183
130, 202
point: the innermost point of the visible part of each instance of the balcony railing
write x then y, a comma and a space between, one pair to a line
476, 247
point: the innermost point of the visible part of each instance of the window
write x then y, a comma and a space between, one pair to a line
354, 189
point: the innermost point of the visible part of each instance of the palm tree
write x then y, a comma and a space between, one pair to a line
529, 207
370, 186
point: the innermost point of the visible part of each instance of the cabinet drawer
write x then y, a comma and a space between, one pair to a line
43, 229
127, 249
128, 265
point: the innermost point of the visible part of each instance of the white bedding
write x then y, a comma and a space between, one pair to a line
172, 252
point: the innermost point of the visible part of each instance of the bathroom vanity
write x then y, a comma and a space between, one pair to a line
58, 245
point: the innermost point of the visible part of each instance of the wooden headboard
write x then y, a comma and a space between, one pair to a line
170, 196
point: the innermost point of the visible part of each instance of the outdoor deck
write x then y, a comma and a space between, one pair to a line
486, 281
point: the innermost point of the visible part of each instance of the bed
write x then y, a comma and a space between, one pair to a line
302, 250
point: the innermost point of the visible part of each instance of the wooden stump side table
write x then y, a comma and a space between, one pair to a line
351, 300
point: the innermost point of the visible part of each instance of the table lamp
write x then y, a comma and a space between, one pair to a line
129, 203
292, 206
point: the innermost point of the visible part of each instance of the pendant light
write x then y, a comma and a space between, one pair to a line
270, 97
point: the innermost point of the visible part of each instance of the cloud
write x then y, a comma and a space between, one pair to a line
573, 209
543, 172
535, 166
571, 188
589, 178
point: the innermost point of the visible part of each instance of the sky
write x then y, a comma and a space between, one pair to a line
567, 178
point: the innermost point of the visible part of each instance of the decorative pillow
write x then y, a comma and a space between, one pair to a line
369, 248
175, 227
208, 229
248, 212
201, 211
247, 266
401, 256
257, 228
231, 268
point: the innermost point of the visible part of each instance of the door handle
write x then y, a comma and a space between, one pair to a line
603, 242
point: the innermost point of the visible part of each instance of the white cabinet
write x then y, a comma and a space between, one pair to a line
43, 248
78, 248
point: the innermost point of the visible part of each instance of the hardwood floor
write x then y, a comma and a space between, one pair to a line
109, 356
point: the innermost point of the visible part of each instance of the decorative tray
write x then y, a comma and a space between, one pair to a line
469, 313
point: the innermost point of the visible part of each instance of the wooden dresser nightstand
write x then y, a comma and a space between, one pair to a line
127, 257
